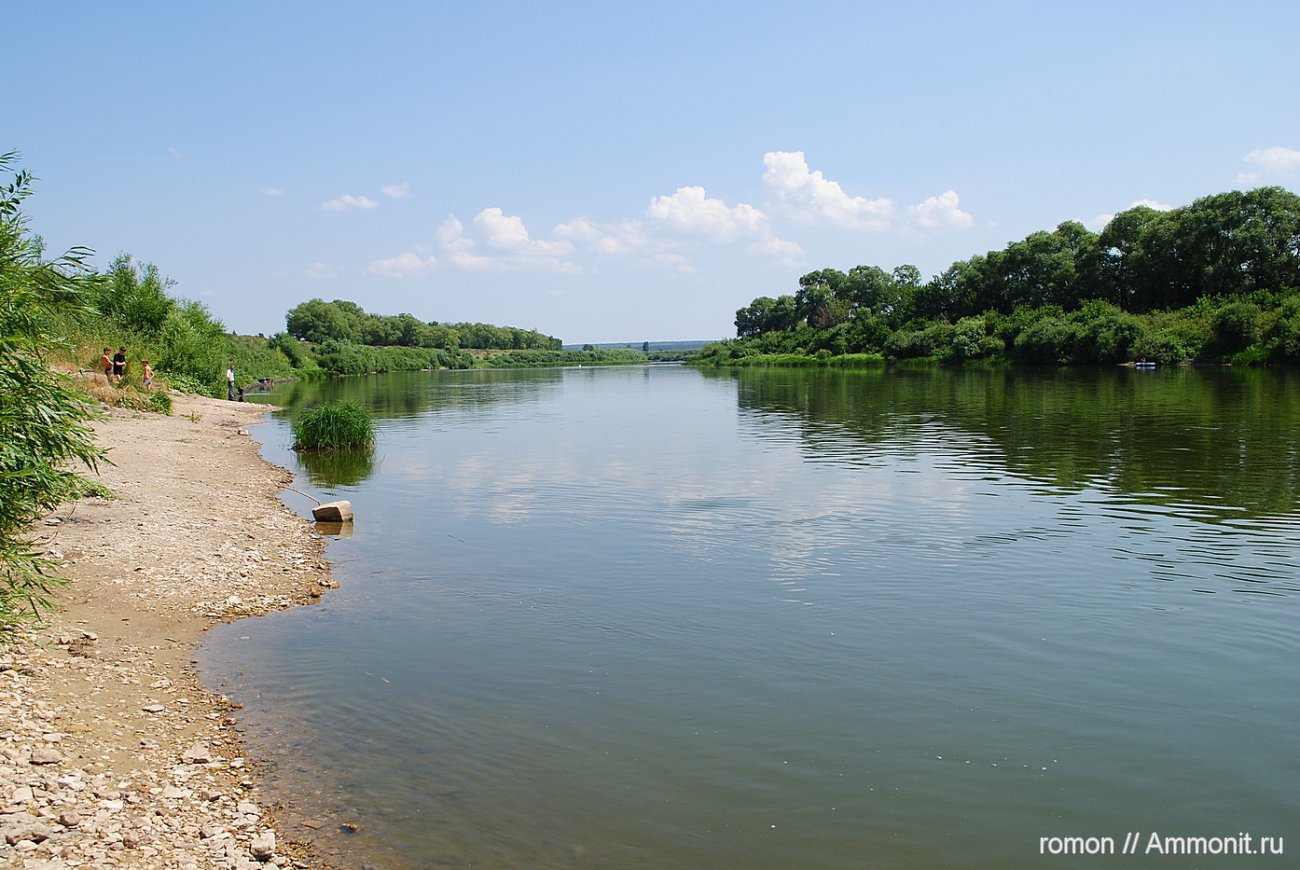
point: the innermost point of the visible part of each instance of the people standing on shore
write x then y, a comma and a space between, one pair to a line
146, 373
119, 365
230, 382
106, 360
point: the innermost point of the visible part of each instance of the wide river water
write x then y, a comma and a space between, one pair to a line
659, 617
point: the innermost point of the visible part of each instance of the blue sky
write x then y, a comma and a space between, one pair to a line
619, 171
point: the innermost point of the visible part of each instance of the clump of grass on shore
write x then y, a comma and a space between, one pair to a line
333, 426
160, 402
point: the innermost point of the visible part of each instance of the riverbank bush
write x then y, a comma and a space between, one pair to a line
1217, 281
44, 421
333, 426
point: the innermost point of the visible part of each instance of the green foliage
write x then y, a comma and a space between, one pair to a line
519, 359
1165, 347
160, 402
1235, 327
131, 297
1205, 282
44, 432
318, 322
348, 358
87, 487
333, 426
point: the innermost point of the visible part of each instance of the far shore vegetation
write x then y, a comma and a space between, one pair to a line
1214, 282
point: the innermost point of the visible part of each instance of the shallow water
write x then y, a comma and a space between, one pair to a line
660, 617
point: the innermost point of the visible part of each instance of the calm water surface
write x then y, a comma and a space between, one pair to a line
664, 618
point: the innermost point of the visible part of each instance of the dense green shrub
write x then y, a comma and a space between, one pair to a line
332, 426
160, 402
1235, 327
1165, 347
1047, 340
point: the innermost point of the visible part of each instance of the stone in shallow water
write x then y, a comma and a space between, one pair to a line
333, 512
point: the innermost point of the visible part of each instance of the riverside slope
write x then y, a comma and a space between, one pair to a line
111, 752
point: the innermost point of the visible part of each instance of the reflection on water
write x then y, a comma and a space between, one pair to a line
658, 617
336, 468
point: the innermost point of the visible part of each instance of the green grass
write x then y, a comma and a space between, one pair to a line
333, 426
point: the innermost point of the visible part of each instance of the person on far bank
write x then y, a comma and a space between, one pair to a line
106, 360
230, 382
119, 364
146, 374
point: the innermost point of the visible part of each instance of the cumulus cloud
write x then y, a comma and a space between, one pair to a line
813, 198
693, 212
1276, 162
508, 244
405, 265
273, 191
348, 201
396, 191
508, 233
938, 212
319, 270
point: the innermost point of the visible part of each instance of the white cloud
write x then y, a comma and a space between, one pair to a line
939, 211
624, 237
348, 201
396, 191
273, 191
405, 265
1275, 161
511, 246
460, 250
691, 211
1098, 223
319, 270
814, 198
508, 233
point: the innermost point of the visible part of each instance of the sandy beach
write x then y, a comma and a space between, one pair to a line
111, 752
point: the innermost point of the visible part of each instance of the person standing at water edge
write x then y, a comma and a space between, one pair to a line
230, 382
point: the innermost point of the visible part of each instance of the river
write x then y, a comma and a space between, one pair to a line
660, 617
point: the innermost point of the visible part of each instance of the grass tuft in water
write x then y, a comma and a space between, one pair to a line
333, 426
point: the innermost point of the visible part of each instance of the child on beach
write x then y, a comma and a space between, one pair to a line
146, 373
106, 360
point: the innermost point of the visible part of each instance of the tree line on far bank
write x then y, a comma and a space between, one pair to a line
1215, 281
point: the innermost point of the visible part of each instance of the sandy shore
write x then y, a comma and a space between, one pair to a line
111, 753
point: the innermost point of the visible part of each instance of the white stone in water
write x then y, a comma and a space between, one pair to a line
333, 512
